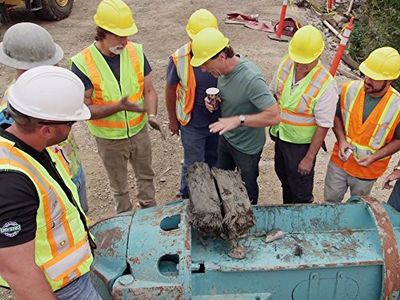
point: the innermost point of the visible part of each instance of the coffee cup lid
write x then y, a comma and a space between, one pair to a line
212, 91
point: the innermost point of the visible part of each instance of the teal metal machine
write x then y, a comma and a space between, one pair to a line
342, 252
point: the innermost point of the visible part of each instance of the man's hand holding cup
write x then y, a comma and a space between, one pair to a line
212, 101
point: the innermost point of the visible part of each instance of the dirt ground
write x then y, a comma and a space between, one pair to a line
162, 30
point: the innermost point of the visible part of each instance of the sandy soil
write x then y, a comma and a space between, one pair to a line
161, 30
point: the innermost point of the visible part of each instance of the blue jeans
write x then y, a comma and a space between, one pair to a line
80, 181
229, 159
80, 289
394, 199
199, 145
4, 120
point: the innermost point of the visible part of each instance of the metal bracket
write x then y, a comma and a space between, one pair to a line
313, 287
340, 289
391, 260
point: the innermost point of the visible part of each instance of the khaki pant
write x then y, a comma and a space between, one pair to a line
115, 155
337, 181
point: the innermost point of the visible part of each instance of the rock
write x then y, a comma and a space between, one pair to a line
238, 252
274, 235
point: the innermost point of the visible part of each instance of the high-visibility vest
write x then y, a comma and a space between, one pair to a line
297, 123
368, 137
62, 249
107, 90
186, 89
70, 152
3, 105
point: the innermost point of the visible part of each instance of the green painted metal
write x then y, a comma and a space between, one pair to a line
328, 252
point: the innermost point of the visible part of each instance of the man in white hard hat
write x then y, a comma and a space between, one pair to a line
45, 245
25, 46
122, 99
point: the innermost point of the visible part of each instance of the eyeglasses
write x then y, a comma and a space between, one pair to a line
67, 123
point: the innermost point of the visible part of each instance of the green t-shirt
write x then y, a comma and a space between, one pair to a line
369, 105
244, 92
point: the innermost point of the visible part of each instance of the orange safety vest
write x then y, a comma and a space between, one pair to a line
186, 89
368, 137
106, 90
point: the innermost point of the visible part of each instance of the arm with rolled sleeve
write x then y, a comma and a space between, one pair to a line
262, 98
324, 113
18, 207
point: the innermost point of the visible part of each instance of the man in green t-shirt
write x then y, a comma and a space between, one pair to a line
247, 106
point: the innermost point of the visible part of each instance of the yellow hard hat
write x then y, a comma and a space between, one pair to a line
306, 45
200, 19
116, 17
382, 64
206, 44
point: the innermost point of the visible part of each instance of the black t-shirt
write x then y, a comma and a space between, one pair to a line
19, 200
113, 63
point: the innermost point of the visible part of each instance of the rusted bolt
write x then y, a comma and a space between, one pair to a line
298, 251
314, 276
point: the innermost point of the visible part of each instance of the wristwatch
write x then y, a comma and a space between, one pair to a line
242, 118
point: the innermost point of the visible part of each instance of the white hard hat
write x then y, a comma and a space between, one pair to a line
27, 45
49, 93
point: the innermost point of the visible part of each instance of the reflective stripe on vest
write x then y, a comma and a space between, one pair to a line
186, 88
107, 90
297, 105
369, 136
3, 105
62, 250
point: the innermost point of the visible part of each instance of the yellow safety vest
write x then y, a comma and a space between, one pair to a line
367, 137
297, 106
107, 90
62, 249
186, 89
3, 105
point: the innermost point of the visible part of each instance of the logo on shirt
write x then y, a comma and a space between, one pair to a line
10, 229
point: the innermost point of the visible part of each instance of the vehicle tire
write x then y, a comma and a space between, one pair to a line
54, 10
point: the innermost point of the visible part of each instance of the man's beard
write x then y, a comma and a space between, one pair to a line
117, 50
369, 89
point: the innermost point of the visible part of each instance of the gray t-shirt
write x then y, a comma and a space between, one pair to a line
244, 91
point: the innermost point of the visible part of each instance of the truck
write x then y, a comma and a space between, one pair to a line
49, 10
